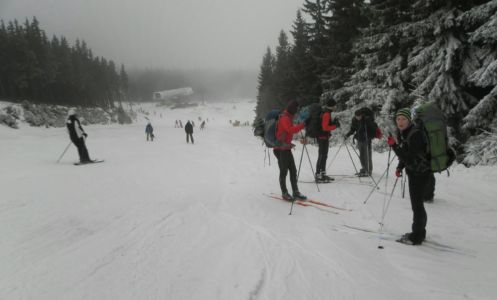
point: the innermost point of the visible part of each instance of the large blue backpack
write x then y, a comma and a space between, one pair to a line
270, 129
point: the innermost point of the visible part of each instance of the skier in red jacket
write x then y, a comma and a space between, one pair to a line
285, 131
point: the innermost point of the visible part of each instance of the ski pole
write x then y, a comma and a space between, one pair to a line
265, 154
336, 154
352, 160
384, 213
379, 180
291, 207
310, 163
301, 157
388, 168
65, 150
403, 185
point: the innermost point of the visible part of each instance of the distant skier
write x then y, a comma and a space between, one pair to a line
77, 135
180, 124
176, 124
202, 125
149, 130
189, 132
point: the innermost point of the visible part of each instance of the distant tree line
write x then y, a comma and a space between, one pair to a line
389, 54
40, 70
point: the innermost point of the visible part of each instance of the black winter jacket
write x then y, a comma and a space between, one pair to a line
364, 129
412, 151
189, 128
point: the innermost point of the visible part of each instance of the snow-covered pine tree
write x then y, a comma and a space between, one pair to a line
283, 80
307, 84
316, 9
480, 66
343, 20
380, 55
480, 73
265, 88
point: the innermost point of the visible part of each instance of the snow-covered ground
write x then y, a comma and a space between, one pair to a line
171, 220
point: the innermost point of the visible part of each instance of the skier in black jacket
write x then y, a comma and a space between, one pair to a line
411, 148
364, 127
77, 135
189, 131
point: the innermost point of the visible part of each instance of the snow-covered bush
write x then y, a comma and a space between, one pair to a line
8, 120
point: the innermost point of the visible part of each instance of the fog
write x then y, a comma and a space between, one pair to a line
170, 34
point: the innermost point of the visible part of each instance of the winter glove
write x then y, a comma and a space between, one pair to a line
391, 141
336, 123
85, 134
398, 172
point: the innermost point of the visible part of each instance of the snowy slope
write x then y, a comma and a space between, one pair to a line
170, 220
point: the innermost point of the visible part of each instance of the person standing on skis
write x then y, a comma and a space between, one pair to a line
411, 147
77, 136
365, 129
286, 163
327, 125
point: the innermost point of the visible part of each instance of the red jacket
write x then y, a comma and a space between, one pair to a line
286, 130
325, 125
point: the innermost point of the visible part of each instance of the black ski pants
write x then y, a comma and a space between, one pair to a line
188, 137
323, 146
418, 184
286, 163
82, 151
365, 156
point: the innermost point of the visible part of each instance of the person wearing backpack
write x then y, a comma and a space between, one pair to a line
411, 149
364, 129
284, 133
149, 131
189, 132
323, 139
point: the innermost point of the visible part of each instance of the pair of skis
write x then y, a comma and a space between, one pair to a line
312, 202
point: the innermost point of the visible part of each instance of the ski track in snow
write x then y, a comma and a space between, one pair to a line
170, 220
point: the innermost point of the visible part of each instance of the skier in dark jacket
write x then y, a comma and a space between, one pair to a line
327, 125
149, 130
286, 163
364, 127
411, 148
189, 132
77, 135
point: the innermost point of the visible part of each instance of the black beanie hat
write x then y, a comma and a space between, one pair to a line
292, 107
330, 103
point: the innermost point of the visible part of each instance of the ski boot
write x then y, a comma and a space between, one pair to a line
287, 196
298, 196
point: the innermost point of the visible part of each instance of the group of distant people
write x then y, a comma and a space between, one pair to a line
78, 135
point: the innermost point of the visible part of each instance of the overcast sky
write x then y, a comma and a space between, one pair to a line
179, 34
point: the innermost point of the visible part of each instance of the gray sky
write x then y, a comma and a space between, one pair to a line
180, 34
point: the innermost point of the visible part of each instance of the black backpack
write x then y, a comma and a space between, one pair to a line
313, 127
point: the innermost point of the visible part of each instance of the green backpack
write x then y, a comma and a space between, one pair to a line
429, 117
